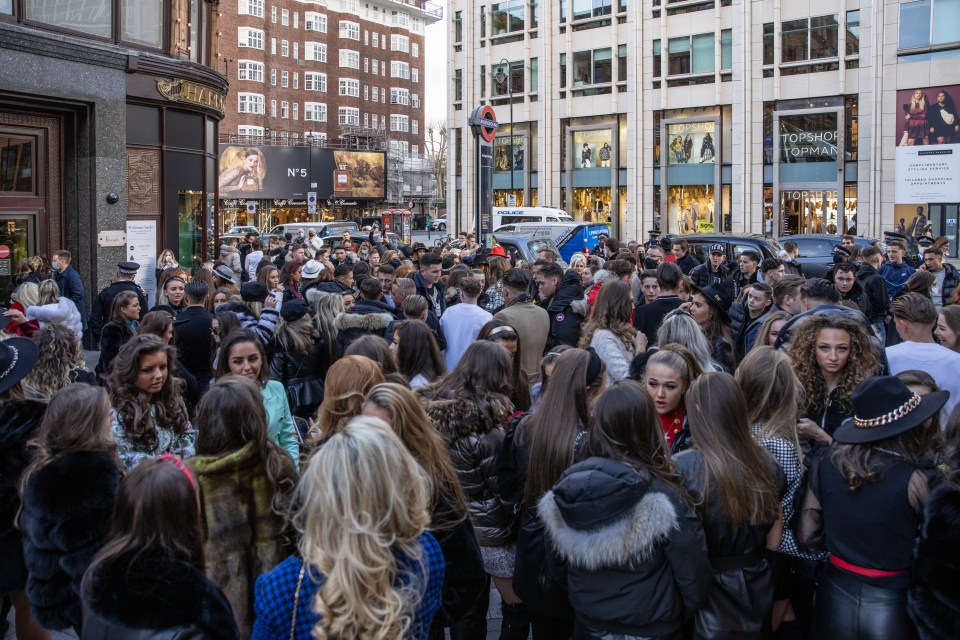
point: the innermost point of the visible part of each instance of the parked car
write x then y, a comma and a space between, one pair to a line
243, 231
322, 229
437, 224
816, 251
735, 244
359, 238
570, 237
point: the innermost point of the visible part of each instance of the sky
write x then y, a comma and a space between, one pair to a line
435, 71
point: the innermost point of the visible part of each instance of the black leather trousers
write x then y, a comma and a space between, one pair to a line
849, 609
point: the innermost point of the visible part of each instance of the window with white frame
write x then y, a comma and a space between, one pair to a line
399, 43
284, 109
415, 50
349, 30
366, 119
349, 115
366, 92
296, 110
273, 46
296, 19
415, 127
313, 21
366, 64
296, 80
376, 39
273, 77
248, 130
273, 108
383, 95
284, 79
366, 37
285, 17
250, 70
376, 95
415, 75
349, 87
401, 18
399, 123
285, 48
383, 121
349, 59
273, 14
314, 81
315, 111
251, 38
250, 103
296, 50
383, 41
251, 8
399, 96
415, 101
399, 69
318, 137
376, 67
316, 51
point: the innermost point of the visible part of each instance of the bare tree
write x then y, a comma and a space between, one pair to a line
436, 148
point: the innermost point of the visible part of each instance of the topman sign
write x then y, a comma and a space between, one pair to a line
808, 145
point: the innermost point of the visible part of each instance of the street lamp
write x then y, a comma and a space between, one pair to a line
332, 203
500, 76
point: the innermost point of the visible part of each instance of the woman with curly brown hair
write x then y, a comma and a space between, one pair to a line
59, 362
831, 355
149, 415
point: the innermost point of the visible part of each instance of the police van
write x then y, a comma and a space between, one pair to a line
514, 215
569, 237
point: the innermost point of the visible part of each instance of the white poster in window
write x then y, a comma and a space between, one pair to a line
928, 173
142, 249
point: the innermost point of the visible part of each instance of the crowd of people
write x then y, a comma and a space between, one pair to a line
298, 441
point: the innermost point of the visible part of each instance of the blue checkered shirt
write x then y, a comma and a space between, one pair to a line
274, 593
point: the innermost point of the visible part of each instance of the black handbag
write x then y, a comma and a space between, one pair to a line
304, 395
464, 579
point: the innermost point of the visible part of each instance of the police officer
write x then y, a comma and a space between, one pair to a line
126, 272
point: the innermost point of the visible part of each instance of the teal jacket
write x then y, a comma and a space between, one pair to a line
280, 423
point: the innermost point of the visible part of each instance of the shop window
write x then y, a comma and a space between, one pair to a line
315, 111
250, 70
96, 18
17, 164
252, 38
853, 128
657, 117
512, 75
929, 23
691, 209
809, 39
507, 17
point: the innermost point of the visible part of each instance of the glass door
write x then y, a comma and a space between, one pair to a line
16, 245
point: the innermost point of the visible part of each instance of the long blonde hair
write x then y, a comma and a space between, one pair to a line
363, 497
28, 294
49, 292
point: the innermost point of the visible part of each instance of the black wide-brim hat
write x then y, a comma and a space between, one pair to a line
17, 357
884, 407
717, 296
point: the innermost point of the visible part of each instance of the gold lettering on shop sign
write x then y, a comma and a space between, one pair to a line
198, 94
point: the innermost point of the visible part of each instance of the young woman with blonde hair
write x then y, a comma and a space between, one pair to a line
465, 580
367, 567
59, 363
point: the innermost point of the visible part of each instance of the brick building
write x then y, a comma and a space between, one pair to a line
321, 70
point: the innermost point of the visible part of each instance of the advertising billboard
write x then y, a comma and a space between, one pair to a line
928, 145
361, 174
691, 143
592, 149
264, 172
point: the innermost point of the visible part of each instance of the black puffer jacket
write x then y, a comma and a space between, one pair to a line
286, 367
635, 553
564, 321
474, 435
66, 514
18, 424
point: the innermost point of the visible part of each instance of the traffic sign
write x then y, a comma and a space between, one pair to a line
484, 120
4, 251
251, 207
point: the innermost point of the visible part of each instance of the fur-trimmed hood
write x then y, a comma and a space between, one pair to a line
372, 322
155, 593
458, 417
602, 514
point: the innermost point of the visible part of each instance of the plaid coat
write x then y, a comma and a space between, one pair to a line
274, 594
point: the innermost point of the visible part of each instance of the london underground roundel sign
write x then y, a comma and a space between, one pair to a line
484, 122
